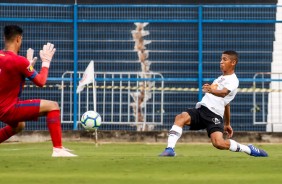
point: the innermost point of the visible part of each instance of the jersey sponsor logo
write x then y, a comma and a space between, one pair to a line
30, 68
216, 121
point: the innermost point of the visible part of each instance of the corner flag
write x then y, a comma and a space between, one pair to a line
88, 77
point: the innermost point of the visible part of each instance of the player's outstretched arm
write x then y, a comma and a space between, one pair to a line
46, 54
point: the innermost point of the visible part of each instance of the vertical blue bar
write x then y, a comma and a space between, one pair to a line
75, 63
200, 51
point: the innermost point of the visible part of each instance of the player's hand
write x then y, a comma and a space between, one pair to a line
206, 88
228, 129
29, 56
46, 54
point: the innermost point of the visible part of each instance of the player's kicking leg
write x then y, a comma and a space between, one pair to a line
175, 133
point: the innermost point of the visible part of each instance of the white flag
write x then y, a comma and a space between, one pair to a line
88, 77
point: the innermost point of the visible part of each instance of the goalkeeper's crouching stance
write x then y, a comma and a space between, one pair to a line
14, 69
210, 111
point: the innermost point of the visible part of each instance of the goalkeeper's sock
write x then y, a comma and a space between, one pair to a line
55, 129
237, 147
174, 134
6, 133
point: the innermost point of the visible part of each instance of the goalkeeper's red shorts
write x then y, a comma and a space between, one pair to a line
26, 110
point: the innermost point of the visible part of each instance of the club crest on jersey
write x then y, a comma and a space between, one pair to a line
30, 68
216, 121
221, 80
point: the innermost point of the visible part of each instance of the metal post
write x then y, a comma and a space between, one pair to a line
75, 63
200, 54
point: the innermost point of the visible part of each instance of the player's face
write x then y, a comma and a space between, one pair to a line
227, 63
19, 42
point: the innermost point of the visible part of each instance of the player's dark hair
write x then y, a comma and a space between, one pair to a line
233, 54
11, 31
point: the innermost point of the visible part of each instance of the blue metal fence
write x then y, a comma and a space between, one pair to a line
187, 41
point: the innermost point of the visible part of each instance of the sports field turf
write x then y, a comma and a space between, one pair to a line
28, 163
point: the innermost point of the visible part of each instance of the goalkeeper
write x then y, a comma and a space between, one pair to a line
13, 71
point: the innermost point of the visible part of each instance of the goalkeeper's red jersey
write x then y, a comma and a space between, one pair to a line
13, 71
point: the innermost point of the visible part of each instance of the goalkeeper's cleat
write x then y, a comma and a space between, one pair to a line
62, 152
66, 149
256, 152
168, 152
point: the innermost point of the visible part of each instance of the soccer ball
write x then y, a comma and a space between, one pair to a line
91, 120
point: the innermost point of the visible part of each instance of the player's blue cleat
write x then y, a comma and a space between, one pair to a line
168, 152
256, 152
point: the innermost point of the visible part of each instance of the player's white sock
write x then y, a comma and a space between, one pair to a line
174, 134
237, 147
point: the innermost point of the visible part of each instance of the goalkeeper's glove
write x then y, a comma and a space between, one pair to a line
46, 54
29, 56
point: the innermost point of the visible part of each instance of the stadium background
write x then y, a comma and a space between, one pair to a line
104, 35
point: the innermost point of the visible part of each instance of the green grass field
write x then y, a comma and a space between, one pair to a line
28, 163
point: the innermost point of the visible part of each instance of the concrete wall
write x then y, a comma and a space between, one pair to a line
144, 137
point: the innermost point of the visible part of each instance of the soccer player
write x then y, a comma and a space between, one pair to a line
13, 71
210, 111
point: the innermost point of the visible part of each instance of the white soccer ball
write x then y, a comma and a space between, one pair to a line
91, 120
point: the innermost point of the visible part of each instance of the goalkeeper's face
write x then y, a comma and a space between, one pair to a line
19, 42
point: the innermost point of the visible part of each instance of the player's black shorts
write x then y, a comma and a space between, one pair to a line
203, 118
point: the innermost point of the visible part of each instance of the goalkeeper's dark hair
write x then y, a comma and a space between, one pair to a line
11, 31
233, 54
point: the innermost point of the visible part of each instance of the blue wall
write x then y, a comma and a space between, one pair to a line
187, 42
